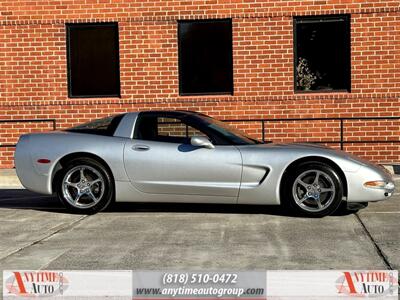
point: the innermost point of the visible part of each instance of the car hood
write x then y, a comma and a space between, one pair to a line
294, 145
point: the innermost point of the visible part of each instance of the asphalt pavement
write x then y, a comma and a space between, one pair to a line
38, 233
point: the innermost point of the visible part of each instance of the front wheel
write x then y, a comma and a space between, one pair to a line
85, 186
312, 189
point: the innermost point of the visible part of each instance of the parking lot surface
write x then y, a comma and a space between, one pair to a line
38, 233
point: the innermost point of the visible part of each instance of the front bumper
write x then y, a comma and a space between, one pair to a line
360, 188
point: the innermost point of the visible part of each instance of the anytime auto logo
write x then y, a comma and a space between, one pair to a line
368, 283
35, 284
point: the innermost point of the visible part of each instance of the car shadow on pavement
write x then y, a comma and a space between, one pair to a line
23, 199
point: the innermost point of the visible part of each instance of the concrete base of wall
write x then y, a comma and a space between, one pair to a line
9, 179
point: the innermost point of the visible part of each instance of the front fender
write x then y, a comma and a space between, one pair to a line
277, 160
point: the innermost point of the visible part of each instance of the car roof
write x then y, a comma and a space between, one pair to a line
172, 112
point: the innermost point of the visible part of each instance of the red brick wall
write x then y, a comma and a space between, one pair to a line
33, 71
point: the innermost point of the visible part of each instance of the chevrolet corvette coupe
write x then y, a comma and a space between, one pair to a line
182, 156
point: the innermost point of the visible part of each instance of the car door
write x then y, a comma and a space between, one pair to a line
161, 160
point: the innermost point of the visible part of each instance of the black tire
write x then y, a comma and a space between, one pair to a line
302, 195
94, 192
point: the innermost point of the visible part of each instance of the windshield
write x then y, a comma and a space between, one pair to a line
227, 132
105, 126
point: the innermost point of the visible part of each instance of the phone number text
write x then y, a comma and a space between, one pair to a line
199, 278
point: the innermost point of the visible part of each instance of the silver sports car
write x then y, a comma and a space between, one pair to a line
181, 156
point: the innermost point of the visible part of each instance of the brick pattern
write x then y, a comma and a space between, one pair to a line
263, 56
375, 40
32, 63
56, 10
148, 59
33, 69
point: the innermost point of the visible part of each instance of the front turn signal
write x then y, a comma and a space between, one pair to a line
379, 184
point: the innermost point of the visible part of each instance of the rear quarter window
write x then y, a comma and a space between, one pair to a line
105, 126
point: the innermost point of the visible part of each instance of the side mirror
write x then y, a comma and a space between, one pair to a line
201, 141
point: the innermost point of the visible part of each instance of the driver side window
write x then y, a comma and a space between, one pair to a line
165, 129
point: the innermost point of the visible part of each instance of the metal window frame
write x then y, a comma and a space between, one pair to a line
68, 26
342, 141
322, 19
52, 121
180, 62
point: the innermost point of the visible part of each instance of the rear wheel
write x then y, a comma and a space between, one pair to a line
85, 186
312, 189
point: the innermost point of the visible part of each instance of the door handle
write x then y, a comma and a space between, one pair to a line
140, 147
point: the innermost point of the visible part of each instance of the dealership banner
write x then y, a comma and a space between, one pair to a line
67, 284
332, 284
151, 285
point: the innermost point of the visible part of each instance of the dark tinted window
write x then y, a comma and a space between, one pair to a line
93, 60
223, 134
165, 129
322, 53
105, 126
179, 128
205, 57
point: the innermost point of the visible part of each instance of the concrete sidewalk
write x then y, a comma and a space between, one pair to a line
9, 179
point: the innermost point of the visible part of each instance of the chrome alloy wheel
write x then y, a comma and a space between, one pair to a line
83, 186
313, 190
